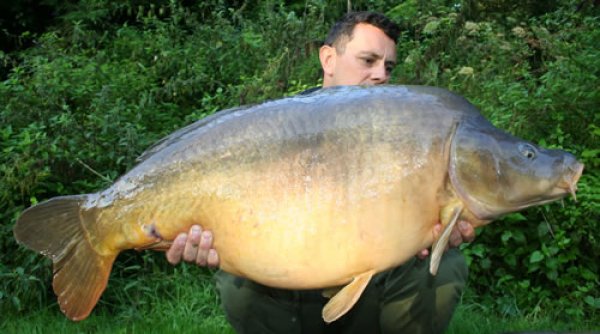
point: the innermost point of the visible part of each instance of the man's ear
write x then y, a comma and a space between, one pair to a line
327, 55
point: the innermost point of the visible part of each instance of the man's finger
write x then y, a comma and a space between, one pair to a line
455, 239
213, 258
437, 230
206, 240
467, 231
205, 243
191, 246
176, 250
423, 254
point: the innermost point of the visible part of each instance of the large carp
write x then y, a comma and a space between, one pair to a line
306, 192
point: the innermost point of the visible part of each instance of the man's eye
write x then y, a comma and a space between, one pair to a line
389, 68
369, 61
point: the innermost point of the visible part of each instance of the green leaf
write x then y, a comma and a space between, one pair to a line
588, 274
486, 263
478, 250
543, 229
511, 260
593, 302
506, 235
431, 27
524, 284
519, 237
590, 153
515, 217
536, 257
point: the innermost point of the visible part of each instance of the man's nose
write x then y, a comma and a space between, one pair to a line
380, 74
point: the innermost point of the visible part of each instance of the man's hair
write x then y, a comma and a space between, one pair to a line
342, 29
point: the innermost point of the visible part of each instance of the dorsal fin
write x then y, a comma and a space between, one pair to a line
183, 132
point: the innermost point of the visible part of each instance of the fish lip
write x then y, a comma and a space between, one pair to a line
569, 181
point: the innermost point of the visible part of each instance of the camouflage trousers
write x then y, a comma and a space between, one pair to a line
406, 299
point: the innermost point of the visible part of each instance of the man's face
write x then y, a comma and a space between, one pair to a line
366, 59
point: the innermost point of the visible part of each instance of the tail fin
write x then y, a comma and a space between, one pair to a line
55, 229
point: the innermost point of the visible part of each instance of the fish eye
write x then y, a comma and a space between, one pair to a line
528, 151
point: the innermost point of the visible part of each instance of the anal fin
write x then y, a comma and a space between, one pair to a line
343, 301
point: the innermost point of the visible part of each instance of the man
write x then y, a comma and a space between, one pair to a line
359, 50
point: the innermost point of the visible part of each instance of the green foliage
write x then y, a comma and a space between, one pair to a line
109, 78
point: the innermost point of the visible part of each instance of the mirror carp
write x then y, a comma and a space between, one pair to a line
313, 191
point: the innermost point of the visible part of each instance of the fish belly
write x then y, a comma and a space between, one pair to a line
287, 231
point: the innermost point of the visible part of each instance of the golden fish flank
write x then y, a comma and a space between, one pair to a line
320, 182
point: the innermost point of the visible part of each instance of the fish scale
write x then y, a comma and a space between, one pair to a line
314, 191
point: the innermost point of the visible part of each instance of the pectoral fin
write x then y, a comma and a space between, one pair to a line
449, 217
343, 301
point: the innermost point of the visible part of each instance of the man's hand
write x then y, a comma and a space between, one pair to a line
196, 246
462, 232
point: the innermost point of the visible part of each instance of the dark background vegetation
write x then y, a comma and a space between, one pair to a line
86, 86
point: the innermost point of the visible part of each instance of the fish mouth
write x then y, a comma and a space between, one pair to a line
565, 186
568, 184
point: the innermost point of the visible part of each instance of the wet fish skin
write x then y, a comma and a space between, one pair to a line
301, 192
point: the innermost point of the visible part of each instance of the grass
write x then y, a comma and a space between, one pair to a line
173, 307
470, 319
187, 303
176, 318
52, 321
